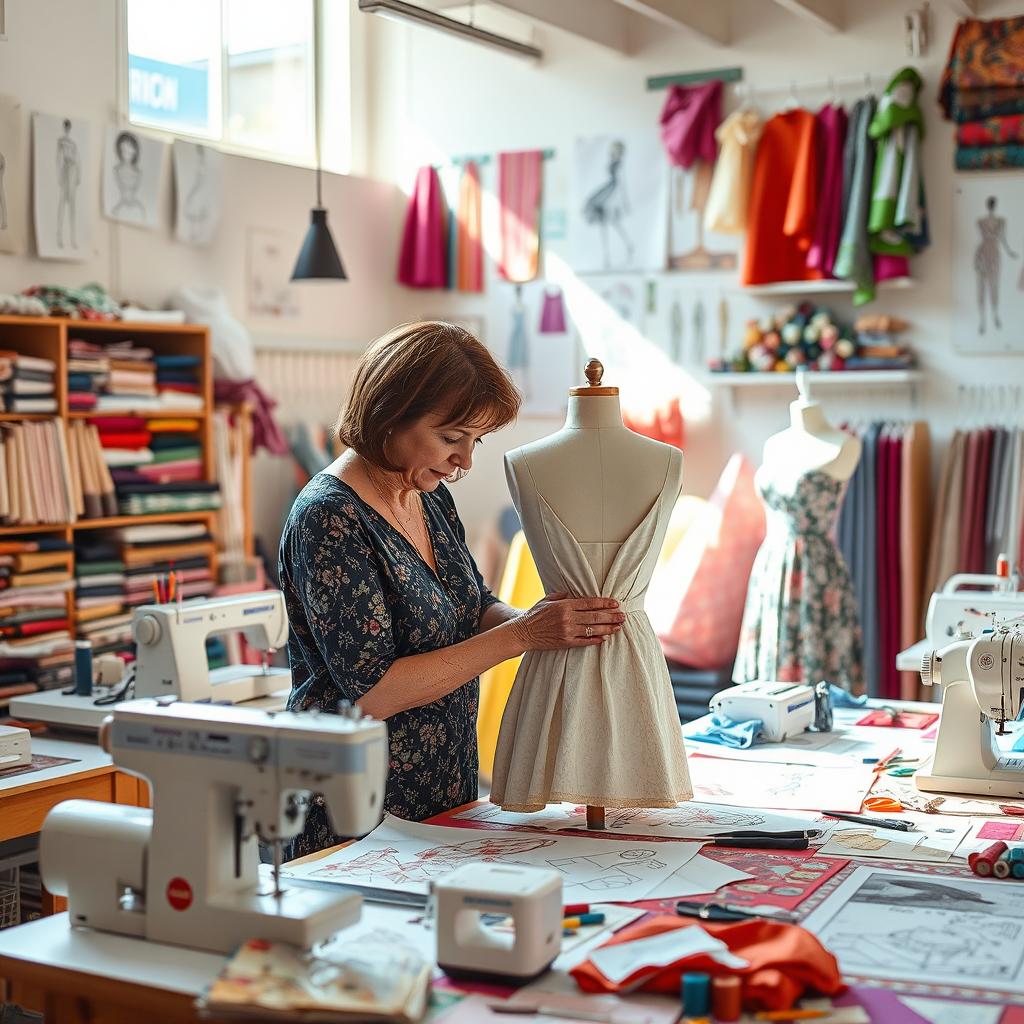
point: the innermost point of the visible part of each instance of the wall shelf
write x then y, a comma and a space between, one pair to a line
828, 286
857, 378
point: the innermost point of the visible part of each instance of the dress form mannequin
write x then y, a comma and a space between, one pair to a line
801, 623
609, 489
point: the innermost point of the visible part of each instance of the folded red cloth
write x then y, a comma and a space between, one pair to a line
128, 439
118, 424
784, 961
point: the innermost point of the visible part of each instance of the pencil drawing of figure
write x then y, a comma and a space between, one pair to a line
608, 206
69, 177
197, 201
988, 260
128, 177
3, 195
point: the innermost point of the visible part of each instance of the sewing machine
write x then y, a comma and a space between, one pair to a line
186, 872
983, 682
171, 660
15, 747
954, 609
785, 709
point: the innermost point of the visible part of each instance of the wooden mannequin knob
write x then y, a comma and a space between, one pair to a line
594, 371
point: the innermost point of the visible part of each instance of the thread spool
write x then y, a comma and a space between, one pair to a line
726, 998
1017, 868
982, 863
1001, 868
696, 994
1016, 853
83, 668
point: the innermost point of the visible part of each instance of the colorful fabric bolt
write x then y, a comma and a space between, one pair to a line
989, 158
423, 258
689, 118
983, 55
469, 272
897, 221
979, 104
992, 131
520, 177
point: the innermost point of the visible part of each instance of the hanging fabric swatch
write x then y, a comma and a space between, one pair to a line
853, 260
520, 177
469, 276
897, 221
985, 72
831, 130
729, 197
782, 202
689, 118
423, 258
552, 313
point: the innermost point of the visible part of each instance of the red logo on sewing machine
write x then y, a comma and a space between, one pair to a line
179, 894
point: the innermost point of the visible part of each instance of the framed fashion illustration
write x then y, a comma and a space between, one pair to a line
988, 263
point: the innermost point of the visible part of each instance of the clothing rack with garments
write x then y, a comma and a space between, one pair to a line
881, 530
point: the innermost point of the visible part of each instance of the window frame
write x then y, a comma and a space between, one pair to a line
227, 146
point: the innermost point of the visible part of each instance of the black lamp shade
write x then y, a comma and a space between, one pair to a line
318, 257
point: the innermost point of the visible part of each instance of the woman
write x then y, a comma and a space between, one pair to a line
386, 605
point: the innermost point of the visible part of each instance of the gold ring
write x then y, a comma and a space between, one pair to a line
590, 631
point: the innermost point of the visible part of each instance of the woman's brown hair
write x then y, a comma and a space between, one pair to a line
422, 368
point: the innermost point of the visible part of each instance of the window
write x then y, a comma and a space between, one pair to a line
239, 72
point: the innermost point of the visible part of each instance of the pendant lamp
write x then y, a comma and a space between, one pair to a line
318, 258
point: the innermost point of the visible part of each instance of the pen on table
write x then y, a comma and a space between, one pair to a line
597, 1016
793, 1014
859, 819
734, 911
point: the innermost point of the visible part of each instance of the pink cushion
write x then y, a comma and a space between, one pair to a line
695, 601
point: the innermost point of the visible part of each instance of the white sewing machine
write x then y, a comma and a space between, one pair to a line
785, 709
983, 682
953, 610
15, 747
185, 872
171, 660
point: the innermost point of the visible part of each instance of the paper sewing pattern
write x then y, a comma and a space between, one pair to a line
133, 166
198, 189
407, 856
911, 927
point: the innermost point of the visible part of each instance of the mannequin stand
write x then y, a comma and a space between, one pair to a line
595, 818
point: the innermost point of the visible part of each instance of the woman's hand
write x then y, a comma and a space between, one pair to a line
562, 621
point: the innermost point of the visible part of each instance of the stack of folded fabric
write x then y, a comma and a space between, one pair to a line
100, 594
118, 377
26, 383
36, 647
153, 551
880, 345
88, 368
177, 382
981, 91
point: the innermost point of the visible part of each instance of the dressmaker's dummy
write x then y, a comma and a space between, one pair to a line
594, 725
800, 623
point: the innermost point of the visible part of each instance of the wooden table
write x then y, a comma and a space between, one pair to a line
26, 799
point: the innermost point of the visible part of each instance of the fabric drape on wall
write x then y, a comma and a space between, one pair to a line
520, 177
469, 267
423, 257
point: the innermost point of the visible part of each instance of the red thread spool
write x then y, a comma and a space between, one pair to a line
726, 998
983, 862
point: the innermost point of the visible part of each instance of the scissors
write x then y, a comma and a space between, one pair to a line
882, 804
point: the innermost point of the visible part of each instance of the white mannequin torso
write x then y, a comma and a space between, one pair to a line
810, 443
599, 477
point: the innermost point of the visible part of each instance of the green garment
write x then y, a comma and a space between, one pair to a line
853, 258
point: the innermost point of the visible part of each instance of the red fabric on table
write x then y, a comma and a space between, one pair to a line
784, 962
136, 439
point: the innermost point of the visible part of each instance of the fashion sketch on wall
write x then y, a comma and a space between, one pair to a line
988, 268
271, 254
64, 186
12, 176
617, 212
690, 246
198, 192
132, 172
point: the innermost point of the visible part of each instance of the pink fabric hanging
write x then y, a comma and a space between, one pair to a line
888, 266
423, 258
689, 119
831, 130
519, 188
552, 314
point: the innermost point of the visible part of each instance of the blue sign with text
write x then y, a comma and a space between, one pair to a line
172, 96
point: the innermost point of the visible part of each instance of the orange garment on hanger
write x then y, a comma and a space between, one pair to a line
784, 961
783, 202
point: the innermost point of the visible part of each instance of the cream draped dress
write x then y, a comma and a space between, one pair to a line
594, 725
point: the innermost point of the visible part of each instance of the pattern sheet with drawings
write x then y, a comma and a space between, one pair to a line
780, 786
687, 821
917, 928
935, 841
406, 856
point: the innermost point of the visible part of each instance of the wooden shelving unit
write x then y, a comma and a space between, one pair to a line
48, 337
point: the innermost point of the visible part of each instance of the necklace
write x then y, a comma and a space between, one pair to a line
397, 519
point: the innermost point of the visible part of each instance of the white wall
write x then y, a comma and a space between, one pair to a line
436, 96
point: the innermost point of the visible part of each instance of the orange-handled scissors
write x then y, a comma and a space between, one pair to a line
882, 804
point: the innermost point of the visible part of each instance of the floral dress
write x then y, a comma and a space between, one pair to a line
359, 596
800, 622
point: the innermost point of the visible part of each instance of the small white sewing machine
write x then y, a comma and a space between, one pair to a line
523, 947
983, 682
786, 709
954, 609
186, 872
171, 660
15, 747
